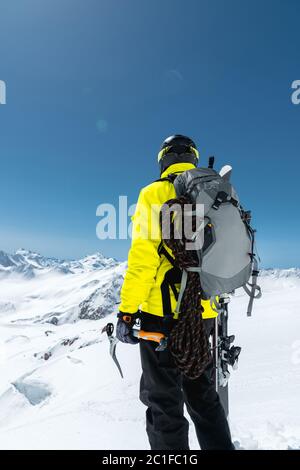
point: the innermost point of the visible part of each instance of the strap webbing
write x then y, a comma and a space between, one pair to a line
171, 178
215, 305
182, 289
163, 251
172, 277
255, 291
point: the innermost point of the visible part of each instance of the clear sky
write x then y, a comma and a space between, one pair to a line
94, 86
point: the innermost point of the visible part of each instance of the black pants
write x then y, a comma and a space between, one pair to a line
164, 390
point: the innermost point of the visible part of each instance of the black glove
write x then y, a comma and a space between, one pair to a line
124, 327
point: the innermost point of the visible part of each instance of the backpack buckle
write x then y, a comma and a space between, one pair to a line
220, 198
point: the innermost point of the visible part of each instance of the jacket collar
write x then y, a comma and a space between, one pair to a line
177, 168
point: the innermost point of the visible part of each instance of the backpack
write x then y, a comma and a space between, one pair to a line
226, 258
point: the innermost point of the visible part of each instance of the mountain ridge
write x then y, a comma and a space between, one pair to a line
30, 263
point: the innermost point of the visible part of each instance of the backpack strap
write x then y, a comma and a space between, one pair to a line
163, 251
172, 277
222, 197
254, 290
171, 178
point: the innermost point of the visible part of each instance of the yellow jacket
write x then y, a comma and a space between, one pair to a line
146, 268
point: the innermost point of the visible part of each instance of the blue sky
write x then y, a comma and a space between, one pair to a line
94, 86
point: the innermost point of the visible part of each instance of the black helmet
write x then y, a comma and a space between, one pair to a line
177, 149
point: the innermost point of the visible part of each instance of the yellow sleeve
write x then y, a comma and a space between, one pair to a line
143, 258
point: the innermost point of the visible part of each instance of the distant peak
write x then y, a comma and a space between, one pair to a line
96, 255
23, 251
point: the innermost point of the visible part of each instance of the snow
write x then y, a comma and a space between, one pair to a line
59, 388
265, 412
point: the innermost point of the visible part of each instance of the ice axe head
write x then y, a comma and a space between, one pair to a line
108, 329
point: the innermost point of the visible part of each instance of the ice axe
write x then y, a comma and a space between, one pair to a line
159, 338
113, 341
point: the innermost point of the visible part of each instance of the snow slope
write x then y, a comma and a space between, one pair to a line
59, 388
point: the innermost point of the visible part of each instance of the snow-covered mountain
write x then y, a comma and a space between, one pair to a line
60, 389
281, 273
30, 263
36, 289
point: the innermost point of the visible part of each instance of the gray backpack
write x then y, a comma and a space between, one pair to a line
227, 257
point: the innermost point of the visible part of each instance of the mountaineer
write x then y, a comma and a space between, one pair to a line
150, 293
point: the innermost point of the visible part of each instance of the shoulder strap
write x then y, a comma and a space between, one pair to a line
163, 251
172, 277
171, 178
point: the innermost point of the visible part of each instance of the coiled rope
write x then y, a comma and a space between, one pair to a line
188, 341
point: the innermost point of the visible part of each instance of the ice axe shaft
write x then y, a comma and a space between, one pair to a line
149, 336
